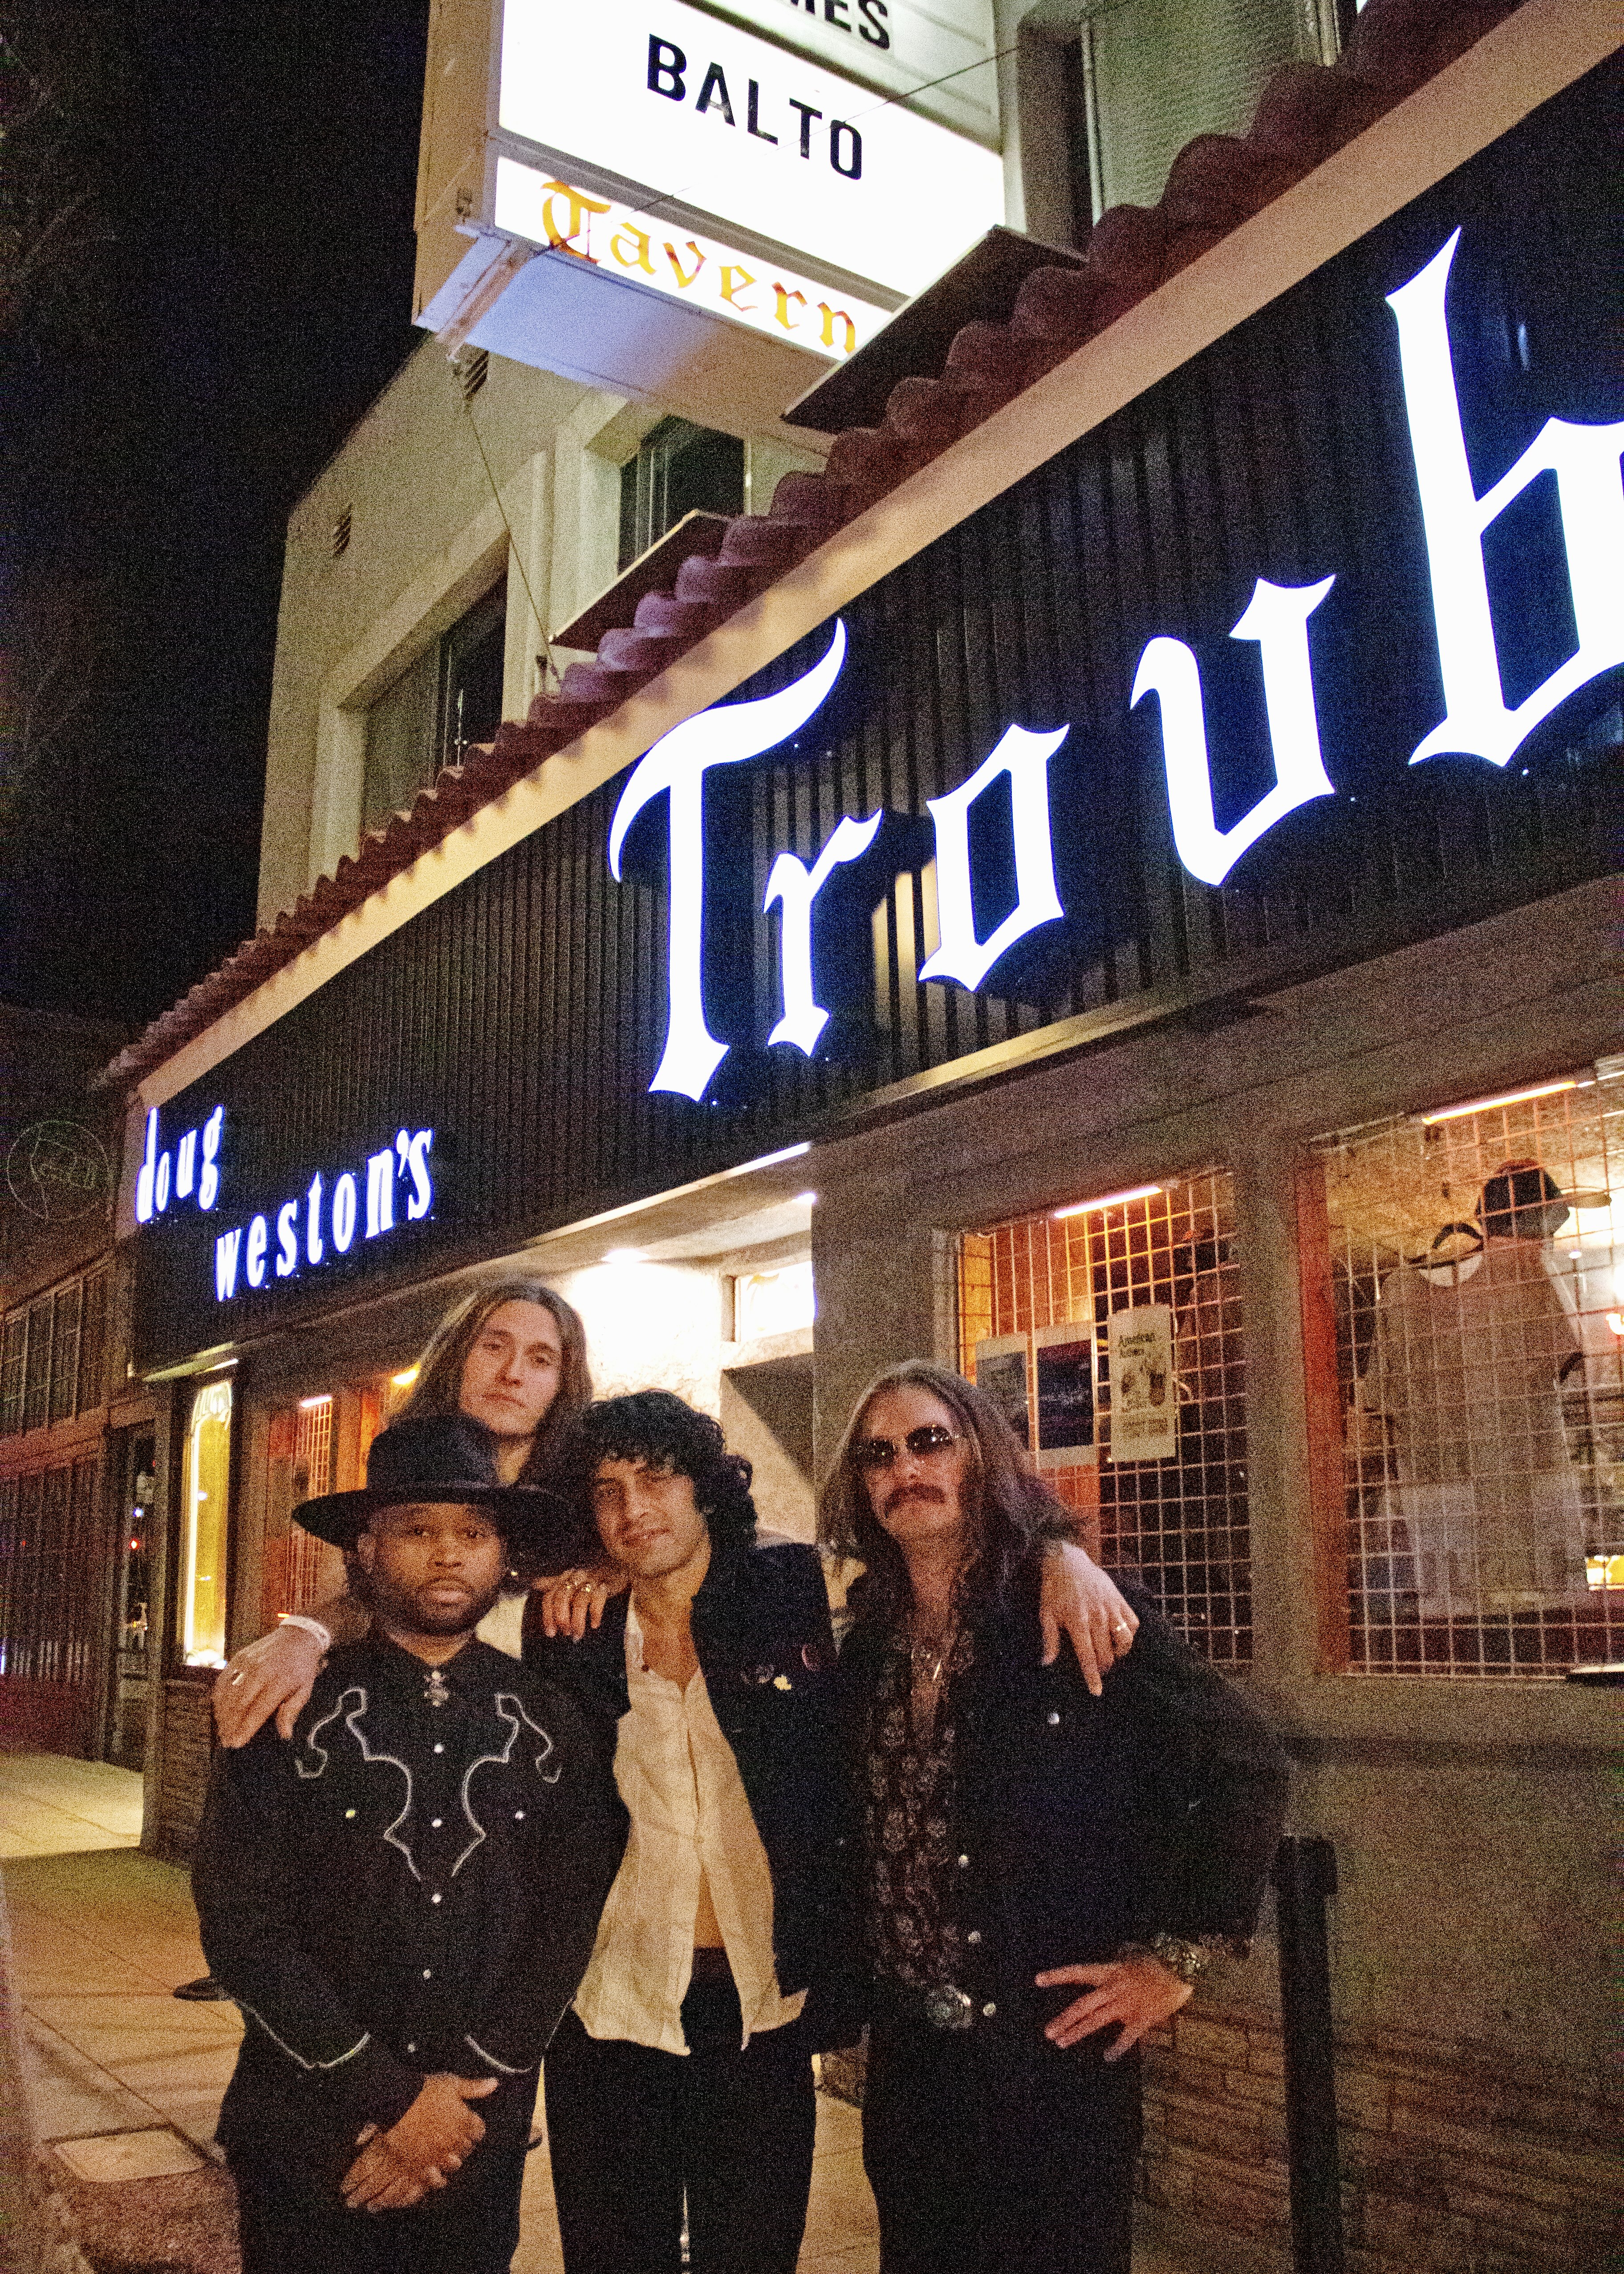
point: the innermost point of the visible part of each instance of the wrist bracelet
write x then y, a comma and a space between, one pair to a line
1186, 1959
310, 1626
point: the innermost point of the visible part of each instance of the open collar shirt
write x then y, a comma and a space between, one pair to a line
676, 1773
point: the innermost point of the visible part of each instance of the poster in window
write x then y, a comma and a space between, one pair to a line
1144, 1394
1000, 1371
1062, 1361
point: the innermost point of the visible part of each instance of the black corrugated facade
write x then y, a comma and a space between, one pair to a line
521, 1016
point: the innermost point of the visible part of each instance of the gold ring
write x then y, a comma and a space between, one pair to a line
237, 1675
1121, 1626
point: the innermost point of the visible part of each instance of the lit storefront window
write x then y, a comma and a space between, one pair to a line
205, 1519
1464, 1265
1109, 1329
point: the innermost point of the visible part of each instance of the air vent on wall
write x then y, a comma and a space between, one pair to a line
341, 533
471, 367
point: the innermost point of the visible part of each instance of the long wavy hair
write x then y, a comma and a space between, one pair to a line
439, 1370
1013, 1514
660, 1429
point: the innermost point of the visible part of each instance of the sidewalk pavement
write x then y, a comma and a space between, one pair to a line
129, 2080
126, 2081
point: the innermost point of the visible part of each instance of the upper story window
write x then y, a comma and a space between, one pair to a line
1150, 75
1109, 1331
680, 468
52, 1359
450, 697
1465, 1307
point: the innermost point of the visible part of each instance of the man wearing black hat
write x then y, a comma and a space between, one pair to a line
402, 1902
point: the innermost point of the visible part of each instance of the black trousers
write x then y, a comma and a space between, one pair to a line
632, 2133
983, 2164
292, 2220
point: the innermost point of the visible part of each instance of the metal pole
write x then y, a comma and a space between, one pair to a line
1304, 1877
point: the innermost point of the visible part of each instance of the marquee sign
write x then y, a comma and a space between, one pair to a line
701, 206
1478, 723
699, 116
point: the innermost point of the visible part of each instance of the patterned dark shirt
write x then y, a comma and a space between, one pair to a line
910, 1898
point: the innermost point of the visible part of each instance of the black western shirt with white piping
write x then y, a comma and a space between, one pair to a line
412, 1885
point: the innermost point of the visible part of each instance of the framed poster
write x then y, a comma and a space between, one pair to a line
1144, 1395
1063, 1365
1001, 1370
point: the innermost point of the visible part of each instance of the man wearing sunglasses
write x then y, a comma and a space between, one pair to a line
726, 1955
1043, 1871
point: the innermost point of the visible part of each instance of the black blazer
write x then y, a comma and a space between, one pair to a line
762, 1633
1088, 1823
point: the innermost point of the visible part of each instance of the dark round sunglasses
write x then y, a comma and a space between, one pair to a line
925, 1443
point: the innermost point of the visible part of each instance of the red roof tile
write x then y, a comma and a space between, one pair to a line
1306, 112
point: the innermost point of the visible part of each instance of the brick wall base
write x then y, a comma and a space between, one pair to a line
188, 1741
1453, 2157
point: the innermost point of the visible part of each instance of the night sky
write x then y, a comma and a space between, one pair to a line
238, 291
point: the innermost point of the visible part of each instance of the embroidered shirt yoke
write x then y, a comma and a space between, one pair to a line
412, 1885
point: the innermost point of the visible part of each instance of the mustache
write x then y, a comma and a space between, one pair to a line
931, 1492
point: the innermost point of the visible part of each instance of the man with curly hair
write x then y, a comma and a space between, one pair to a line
683, 2075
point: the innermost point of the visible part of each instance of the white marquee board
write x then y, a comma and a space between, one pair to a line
707, 118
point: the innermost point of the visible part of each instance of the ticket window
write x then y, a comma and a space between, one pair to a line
1465, 1286
205, 1511
1109, 1331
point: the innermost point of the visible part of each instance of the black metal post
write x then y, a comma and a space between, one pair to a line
1304, 1877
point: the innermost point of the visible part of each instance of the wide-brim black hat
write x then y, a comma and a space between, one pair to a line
443, 1458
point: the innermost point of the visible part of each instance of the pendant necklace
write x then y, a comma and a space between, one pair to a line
927, 1659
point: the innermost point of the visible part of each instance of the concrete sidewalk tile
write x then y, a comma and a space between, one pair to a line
143, 2025
73, 2096
839, 2124
119, 2156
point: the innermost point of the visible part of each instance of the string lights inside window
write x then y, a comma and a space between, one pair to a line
1465, 1315
1154, 1463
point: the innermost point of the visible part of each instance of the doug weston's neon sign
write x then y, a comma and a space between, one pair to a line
1476, 722
319, 1224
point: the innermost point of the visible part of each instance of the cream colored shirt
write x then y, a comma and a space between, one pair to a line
677, 1774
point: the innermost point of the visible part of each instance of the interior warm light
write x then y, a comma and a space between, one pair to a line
804, 1200
1615, 1321
625, 1255
1604, 1571
1488, 1104
309, 1404
1110, 1200
403, 1381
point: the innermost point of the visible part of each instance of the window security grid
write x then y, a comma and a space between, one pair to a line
1182, 1521
1465, 1289
48, 1531
313, 1475
52, 1359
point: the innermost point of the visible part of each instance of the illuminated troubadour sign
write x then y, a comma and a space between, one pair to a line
1478, 722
